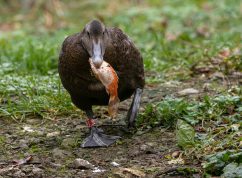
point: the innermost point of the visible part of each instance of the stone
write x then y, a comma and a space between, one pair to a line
38, 173
80, 127
53, 134
144, 147
217, 75
115, 164
23, 143
188, 91
28, 129
19, 174
27, 169
98, 170
151, 144
175, 154
82, 164
34, 140
129, 172
58, 153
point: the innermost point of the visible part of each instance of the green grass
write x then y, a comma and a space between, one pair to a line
204, 129
29, 57
219, 109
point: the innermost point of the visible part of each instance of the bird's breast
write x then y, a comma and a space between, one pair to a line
96, 86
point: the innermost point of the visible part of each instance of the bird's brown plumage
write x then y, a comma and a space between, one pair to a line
78, 80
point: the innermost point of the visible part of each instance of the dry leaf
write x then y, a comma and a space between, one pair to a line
133, 172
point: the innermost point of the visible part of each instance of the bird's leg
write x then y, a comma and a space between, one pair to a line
90, 121
133, 110
96, 138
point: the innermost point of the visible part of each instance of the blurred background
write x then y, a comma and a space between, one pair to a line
154, 25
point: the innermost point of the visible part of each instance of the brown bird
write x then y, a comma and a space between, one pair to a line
100, 43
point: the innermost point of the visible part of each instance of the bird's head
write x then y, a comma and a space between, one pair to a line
94, 40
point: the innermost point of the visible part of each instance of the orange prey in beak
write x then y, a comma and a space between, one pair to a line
109, 78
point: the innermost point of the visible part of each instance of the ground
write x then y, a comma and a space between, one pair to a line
142, 151
55, 144
189, 124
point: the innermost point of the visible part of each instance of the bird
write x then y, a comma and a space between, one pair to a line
100, 43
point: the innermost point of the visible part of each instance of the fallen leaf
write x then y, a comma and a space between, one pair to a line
133, 172
185, 134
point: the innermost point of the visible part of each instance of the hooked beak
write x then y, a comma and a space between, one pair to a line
97, 57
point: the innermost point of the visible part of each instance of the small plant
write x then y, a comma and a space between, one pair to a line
165, 113
220, 129
219, 163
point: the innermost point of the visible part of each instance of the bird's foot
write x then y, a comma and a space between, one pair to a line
98, 139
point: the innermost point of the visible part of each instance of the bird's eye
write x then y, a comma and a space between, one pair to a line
88, 34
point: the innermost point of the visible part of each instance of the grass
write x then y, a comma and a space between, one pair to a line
28, 57
204, 129
221, 112
173, 36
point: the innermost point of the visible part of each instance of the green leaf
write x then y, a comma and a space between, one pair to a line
185, 134
217, 162
232, 170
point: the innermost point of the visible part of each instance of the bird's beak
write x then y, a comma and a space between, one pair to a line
97, 57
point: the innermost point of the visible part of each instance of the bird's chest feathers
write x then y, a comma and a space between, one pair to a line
98, 86
94, 83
